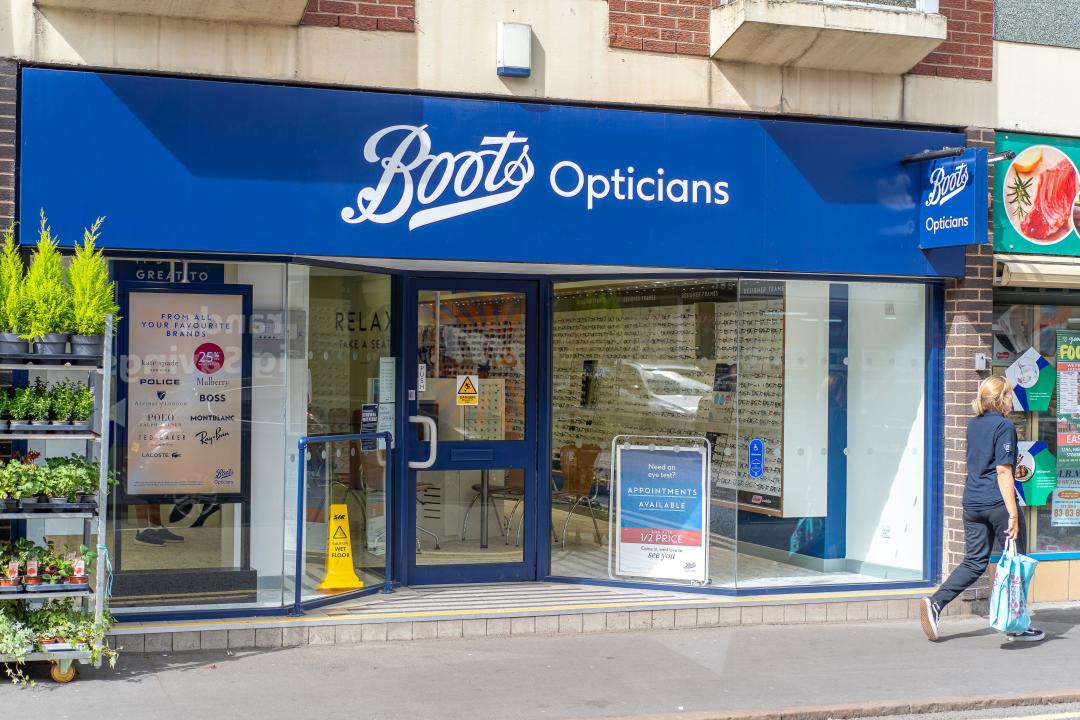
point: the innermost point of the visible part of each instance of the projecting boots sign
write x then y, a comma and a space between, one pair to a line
953, 211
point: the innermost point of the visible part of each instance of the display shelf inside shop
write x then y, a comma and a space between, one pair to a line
94, 522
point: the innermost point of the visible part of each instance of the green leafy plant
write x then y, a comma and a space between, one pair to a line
39, 407
62, 399
16, 642
50, 304
14, 309
20, 403
82, 404
93, 294
72, 476
24, 479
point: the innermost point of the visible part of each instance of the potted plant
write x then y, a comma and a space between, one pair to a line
30, 557
49, 301
19, 406
62, 402
16, 642
81, 563
40, 407
82, 407
13, 305
28, 480
10, 566
93, 294
5, 409
9, 491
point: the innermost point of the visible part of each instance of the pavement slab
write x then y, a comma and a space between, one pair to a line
694, 673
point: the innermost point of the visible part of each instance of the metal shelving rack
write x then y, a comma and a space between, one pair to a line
93, 521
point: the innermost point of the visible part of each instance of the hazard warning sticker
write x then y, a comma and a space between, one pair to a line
466, 389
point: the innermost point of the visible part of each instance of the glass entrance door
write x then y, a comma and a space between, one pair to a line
471, 380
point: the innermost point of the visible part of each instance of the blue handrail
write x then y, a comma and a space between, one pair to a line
388, 438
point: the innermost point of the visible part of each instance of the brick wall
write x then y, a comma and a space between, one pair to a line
968, 51
667, 26
399, 15
8, 90
968, 316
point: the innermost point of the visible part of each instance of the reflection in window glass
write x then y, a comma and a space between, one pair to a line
801, 369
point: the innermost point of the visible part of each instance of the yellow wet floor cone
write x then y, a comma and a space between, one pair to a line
340, 574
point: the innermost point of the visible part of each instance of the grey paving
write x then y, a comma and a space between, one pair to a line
660, 672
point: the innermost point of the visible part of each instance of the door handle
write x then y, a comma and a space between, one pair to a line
432, 437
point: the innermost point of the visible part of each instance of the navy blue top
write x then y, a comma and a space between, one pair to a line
991, 441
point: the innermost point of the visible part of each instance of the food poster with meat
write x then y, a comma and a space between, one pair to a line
1035, 208
1035, 473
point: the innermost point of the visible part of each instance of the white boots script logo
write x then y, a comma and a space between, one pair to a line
479, 178
945, 187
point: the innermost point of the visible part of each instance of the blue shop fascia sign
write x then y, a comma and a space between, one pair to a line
201, 165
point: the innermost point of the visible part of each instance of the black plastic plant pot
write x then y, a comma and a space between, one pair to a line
51, 344
58, 500
9, 505
12, 344
87, 345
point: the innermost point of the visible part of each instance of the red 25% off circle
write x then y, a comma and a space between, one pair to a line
209, 358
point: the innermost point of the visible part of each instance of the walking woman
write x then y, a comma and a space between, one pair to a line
990, 507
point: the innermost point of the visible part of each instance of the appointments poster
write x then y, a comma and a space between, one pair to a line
185, 386
662, 515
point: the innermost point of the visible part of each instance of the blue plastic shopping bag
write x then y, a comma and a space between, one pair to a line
1008, 602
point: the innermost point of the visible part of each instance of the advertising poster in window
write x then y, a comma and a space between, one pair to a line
1035, 473
1066, 499
662, 522
185, 389
1032, 378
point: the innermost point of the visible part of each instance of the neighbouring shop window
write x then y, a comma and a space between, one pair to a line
811, 395
1025, 327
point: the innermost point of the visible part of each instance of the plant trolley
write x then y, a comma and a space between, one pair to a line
89, 508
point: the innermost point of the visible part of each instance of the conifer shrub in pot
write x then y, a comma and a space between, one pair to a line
13, 305
93, 294
48, 298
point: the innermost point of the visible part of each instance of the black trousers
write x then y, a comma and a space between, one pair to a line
981, 527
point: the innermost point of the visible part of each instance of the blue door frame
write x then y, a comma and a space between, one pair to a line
481, 455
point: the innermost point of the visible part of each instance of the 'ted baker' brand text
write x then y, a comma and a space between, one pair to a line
478, 179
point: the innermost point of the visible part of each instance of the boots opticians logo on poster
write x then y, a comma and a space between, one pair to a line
433, 186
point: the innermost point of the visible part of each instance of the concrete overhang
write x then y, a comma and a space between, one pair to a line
262, 12
824, 35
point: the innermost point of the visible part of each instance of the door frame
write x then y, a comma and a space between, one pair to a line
537, 391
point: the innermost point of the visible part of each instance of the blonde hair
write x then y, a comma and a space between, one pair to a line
993, 395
